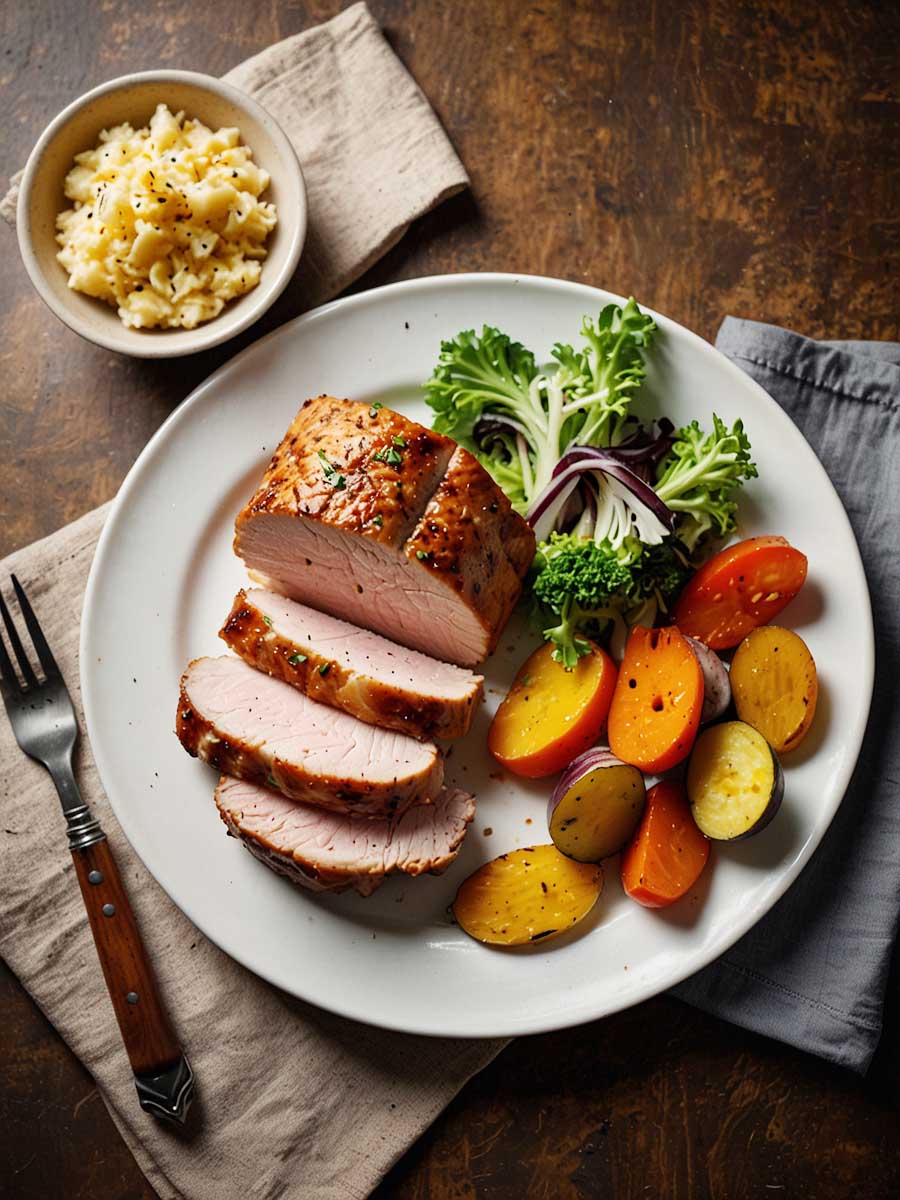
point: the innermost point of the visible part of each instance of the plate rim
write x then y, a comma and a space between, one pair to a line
563, 1018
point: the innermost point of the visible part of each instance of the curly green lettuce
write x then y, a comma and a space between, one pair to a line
700, 475
488, 393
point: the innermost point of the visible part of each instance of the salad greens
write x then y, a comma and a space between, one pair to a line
619, 510
700, 476
489, 395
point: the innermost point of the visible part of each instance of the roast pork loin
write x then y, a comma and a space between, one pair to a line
249, 725
375, 519
350, 668
330, 853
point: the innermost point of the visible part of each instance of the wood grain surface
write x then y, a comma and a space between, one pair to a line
710, 156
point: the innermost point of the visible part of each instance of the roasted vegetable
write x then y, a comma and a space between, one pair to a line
741, 587
595, 806
573, 582
734, 782
528, 895
655, 711
716, 686
773, 677
668, 852
579, 587
550, 714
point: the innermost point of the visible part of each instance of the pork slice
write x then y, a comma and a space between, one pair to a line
381, 522
329, 853
353, 669
257, 728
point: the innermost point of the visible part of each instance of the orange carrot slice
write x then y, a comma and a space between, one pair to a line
655, 711
668, 852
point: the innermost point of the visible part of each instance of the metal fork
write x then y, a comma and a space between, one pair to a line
44, 723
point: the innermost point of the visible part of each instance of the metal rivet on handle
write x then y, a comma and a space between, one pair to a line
109, 910
95, 877
132, 997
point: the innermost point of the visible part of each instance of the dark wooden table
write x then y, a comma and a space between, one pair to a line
710, 156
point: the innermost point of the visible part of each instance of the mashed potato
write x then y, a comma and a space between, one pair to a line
167, 223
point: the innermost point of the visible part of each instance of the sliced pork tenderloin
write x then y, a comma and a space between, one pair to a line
329, 853
353, 669
247, 724
379, 521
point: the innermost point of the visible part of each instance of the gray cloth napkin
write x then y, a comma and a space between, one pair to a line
373, 153
813, 972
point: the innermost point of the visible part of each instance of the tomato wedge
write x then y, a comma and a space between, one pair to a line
740, 588
667, 854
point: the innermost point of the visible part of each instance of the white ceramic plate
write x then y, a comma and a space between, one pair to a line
164, 578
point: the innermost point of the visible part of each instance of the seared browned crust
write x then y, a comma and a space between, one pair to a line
378, 499
471, 533
238, 758
369, 700
438, 505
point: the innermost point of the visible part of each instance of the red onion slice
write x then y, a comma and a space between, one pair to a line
581, 459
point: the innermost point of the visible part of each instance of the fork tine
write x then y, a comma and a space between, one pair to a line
9, 683
16, 642
44, 653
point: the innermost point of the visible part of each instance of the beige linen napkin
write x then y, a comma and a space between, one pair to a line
373, 153
291, 1102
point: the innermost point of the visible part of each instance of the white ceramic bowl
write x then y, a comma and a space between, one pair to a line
133, 98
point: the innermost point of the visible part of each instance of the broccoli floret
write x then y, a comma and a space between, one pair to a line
660, 574
575, 580
571, 567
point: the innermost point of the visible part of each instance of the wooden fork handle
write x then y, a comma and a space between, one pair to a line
162, 1074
